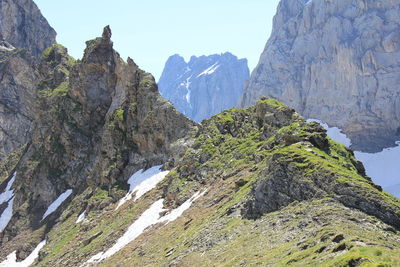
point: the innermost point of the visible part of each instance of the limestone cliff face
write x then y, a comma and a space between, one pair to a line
23, 26
337, 61
205, 85
18, 82
24, 35
99, 120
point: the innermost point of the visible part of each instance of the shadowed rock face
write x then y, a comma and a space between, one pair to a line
205, 85
337, 61
23, 26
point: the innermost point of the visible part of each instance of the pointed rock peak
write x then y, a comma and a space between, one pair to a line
132, 63
176, 59
107, 32
100, 49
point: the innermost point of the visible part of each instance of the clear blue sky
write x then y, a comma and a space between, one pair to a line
149, 31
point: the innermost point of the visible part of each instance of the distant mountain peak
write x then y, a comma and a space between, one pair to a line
205, 85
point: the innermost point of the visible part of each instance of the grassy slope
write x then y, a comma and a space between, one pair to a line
228, 158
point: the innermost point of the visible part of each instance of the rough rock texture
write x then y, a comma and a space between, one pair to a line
23, 26
100, 120
295, 159
275, 190
337, 61
18, 83
205, 85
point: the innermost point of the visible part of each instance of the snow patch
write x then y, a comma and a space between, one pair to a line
11, 260
81, 217
383, 167
148, 218
210, 70
186, 85
53, 206
8, 192
334, 132
176, 213
142, 182
6, 215
7, 197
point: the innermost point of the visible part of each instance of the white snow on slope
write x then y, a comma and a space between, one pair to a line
186, 85
176, 213
11, 260
334, 132
142, 182
383, 167
210, 70
7, 196
8, 193
53, 206
6, 215
81, 217
150, 217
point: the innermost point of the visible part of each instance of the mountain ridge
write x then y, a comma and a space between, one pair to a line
233, 163
205, 85
115, 175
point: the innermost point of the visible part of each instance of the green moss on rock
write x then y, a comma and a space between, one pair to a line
120, 114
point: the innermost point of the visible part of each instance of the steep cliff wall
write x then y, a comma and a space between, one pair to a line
24, 35
337, 61
23, 26
18, 81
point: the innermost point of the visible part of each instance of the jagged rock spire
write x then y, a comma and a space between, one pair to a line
107, 32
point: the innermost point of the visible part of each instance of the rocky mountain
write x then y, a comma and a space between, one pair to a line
24, 35
99, 119
205, 85
23, 26
336, 61
115, 176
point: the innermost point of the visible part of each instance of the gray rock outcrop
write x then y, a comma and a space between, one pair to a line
98, 121
24, 35
23, 26
18, 82
337, 61
205, 85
